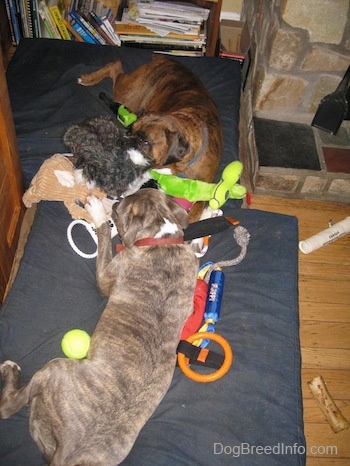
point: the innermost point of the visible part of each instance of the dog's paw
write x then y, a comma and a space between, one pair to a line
208, 212
84, 80
199, 246
163, 171
9, 365
65, 178
95, 208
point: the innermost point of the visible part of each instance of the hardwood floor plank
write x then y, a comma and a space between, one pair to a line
317, 211
337, 271
321, 439
321, 461
325, 334
325, 358
317, 291
324, 312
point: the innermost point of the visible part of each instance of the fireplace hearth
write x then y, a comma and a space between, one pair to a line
296, 59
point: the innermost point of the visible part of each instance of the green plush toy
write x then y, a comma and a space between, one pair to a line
195, 190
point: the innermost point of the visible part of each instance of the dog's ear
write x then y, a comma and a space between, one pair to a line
127, 221
178, 147
129, 237
179, 212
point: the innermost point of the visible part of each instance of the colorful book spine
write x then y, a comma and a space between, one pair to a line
72, 31
81, 31
109, 28
97, 23
93, 31
49, 21
56, 14
76, 20
46, 23
26, 24
108, 32
35, 18
19, 17
14, 22
29, 18
10, 22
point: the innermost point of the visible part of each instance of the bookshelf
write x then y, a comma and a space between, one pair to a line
117, 6
213, 21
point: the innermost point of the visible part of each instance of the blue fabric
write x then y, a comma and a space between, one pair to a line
250, 417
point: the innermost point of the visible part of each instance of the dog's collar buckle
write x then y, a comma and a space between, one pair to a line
152, 242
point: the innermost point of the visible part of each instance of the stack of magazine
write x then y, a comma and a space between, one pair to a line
177, 28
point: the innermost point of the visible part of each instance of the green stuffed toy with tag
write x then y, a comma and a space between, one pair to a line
195, 190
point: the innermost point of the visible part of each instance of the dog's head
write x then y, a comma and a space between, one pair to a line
159, 138
148, 213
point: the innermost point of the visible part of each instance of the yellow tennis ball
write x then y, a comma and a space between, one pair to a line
75, 344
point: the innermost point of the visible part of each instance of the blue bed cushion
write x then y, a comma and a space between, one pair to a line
253, 415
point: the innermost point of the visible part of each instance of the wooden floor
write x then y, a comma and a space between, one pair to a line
324, 302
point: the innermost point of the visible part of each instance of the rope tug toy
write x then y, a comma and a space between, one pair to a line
192, 347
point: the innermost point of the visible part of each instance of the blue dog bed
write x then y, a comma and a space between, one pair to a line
253, 415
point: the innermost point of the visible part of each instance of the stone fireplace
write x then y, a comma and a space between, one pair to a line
299, 53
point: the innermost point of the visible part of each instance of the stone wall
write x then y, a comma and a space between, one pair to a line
300, 50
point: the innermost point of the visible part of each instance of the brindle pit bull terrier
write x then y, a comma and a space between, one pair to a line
90, 411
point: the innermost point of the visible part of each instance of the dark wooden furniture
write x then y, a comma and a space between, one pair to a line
11, 187
213, 23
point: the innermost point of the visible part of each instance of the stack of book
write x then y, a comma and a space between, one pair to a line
170, 27
82, 20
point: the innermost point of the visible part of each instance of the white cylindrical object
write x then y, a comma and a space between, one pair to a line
326, 236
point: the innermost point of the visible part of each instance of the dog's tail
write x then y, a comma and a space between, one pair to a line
12, 399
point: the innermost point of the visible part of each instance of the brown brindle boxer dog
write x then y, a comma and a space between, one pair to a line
179, 125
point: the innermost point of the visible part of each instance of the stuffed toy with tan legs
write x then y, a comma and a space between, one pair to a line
56, 180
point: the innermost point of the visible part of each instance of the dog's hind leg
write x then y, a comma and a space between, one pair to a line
12, 399
111, 70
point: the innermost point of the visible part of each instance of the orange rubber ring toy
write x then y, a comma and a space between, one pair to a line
213, 376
